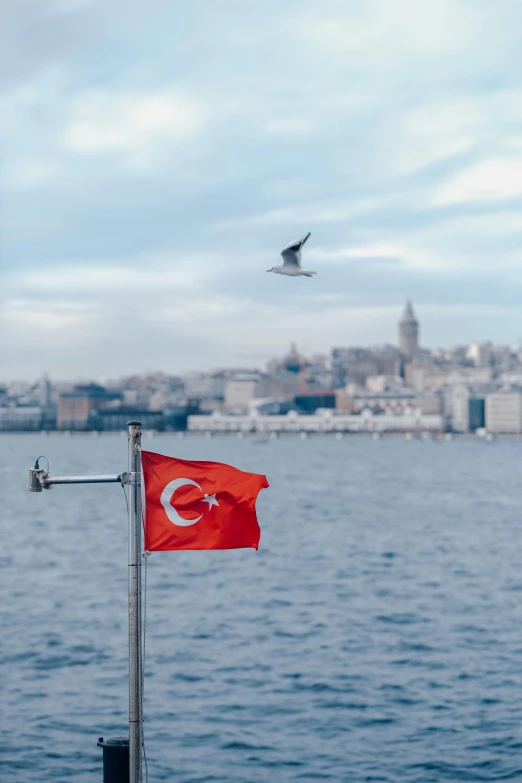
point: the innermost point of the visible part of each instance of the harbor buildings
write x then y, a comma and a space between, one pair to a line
388, 387
504, 412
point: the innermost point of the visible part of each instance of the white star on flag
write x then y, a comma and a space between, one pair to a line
211, 500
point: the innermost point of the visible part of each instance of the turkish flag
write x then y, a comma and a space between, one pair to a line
199, 505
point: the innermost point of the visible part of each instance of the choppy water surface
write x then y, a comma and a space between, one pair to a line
375, 636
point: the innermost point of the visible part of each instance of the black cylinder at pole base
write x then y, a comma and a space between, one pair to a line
115, 759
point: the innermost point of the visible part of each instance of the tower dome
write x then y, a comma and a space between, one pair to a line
292, 360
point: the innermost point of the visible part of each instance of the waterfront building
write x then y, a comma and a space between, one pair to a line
115, 419
322, 421
241, 389
468, 410
312, 401
21, 418
460, 409
75, 407
504, 412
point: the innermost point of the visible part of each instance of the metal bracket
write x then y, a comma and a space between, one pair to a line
129, 477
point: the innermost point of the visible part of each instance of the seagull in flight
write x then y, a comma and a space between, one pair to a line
292, 260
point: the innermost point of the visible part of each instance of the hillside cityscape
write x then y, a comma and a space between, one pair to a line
393, 388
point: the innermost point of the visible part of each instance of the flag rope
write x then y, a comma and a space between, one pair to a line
145, 556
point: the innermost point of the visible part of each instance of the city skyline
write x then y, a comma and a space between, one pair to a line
157, 160
406, 343
258, 360
402, 387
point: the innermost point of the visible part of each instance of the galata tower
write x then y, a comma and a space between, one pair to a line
408, 333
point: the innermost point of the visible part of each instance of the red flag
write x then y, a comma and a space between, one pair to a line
199, 505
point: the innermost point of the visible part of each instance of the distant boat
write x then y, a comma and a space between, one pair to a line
339, 436
260, 438
376, 436
482, 432
303, 435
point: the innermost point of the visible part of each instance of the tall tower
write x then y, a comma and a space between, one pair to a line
408, 333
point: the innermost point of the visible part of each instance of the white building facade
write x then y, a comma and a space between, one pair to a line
325, 421
504, 412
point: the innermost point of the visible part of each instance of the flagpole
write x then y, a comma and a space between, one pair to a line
135, 662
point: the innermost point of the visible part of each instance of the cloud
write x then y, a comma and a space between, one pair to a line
139, 275
419, 258
315, 213
156, 166
130, 123
404, 30
35, 319
491, 180
434, 132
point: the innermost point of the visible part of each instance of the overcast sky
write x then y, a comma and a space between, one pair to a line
157, 156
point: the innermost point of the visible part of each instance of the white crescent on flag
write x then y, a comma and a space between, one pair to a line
166, 497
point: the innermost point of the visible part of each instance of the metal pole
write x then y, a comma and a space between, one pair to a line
135, 663
51, 480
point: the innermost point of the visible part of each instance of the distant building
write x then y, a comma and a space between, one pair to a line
75, 407
310, 403
418, 375
468, 410
323, 421
504, 412
355, 365
481, 354
390, 401
460, 409
21, 418
381, 383
293, 362
408, 333
477, 413
241, 389
115, 419
427, 375
245, 387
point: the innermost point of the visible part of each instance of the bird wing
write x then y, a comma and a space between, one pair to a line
291, 257
292, 252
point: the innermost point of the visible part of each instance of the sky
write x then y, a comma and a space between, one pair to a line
156, 157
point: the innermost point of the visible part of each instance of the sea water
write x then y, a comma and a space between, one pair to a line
375, 636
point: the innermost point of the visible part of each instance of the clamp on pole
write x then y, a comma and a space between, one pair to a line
40, 479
